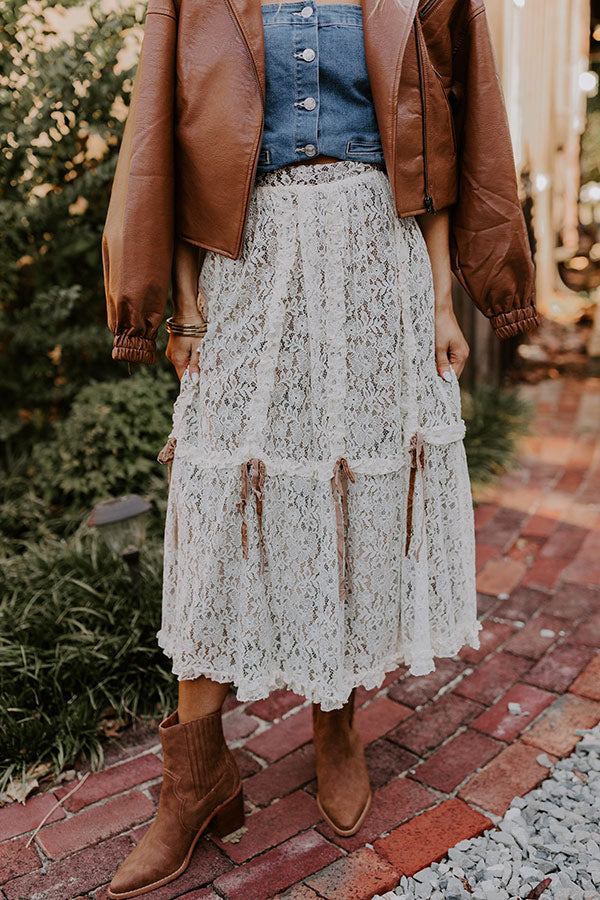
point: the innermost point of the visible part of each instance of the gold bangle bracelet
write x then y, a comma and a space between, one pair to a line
185, 329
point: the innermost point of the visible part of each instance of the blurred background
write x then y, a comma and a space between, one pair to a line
81, 567
548, 55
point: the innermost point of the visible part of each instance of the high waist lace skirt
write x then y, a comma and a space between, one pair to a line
319, 529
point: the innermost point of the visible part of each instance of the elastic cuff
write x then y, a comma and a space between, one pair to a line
516, 321
134, 348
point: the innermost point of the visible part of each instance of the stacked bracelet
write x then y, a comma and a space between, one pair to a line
185, 329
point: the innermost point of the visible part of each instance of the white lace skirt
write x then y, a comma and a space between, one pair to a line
319, 528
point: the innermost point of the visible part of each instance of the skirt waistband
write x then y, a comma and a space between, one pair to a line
319, 173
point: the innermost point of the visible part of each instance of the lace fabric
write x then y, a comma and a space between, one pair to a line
319, 527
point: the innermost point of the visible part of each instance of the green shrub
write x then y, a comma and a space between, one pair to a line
76, 636
105, 447
62, 109
108, 443
54, 349
494, 419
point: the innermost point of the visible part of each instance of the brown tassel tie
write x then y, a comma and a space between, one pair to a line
256, 470
339, 488
167, 453
417, 461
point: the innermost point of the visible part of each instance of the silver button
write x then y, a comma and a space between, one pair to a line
308, 54
309, 103
306, 12
310, 149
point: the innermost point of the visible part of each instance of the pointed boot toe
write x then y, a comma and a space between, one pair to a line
344, 814
344, 791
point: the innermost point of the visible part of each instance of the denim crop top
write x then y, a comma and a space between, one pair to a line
318, 96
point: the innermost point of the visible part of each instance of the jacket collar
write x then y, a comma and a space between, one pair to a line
385, 35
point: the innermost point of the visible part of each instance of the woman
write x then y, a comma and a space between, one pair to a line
309, 175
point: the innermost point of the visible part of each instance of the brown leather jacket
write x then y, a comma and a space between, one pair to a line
189, 152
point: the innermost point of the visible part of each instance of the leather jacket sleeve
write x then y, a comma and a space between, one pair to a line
489, 248
138, 236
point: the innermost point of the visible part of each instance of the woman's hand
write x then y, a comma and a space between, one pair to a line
189, 307
182, 351
451, 348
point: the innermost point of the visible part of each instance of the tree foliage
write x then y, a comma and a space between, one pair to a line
63, 100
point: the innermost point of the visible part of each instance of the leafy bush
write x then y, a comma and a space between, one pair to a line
53, 342
494, 419
76, 636
108, 443
64, 100
105, 447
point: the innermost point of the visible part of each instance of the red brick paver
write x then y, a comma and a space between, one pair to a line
500, 723
297, 892
16, 858
276, 705
278, 868
556, 670
282, 777
493, 677
284, 736
588, 683
203, 894
269, 826
500, 575
457, 759
554, 730
511, 773
86, 870
427, 728
20, 818
113, 780
379, 717
415, 690
442, 749
95, 824
427, 837
358, 876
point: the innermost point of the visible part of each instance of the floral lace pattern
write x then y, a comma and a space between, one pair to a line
299, 551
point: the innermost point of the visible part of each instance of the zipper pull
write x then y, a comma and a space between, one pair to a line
429, 204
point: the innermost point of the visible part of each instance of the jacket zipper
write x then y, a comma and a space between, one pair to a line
428, 199
262, 124
423, 11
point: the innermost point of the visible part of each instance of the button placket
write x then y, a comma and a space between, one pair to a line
306, 118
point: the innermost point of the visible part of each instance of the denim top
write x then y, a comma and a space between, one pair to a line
318, 97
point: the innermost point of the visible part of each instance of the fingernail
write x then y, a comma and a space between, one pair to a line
446, 375
195, 377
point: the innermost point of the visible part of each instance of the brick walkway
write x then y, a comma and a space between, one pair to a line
445, 756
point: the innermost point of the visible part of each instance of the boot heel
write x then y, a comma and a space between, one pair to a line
231, 816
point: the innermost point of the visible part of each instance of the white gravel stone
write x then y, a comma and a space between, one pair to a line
427, 876
455, 889
544, 760
552, 832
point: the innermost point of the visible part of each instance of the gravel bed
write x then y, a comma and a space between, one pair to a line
547, 845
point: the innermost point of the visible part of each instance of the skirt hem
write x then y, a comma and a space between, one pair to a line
366, 678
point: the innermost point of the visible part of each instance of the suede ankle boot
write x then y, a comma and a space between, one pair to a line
344, 790
201, 782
